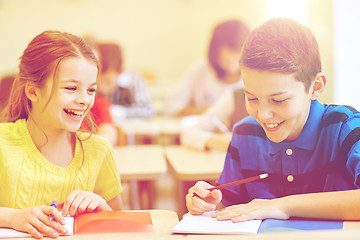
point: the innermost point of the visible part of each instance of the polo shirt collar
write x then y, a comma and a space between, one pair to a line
308, 136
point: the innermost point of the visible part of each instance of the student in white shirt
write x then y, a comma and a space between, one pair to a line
207, 80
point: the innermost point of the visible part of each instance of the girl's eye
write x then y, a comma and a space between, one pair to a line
92, 90
70, 88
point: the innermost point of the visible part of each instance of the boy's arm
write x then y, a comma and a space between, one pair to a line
341, 205
344, 205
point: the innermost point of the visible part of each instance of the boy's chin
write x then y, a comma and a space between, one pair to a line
275, 139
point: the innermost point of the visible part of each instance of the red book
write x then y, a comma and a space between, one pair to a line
113, 222
99, 222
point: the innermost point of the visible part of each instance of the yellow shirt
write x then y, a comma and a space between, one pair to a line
27, 179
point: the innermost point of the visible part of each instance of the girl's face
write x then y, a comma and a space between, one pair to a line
71, 99
229, 60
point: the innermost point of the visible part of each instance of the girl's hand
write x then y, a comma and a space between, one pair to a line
36, 221
81, 201
204, 200
256, 209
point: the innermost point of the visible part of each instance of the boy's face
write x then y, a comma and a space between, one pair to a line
277, 101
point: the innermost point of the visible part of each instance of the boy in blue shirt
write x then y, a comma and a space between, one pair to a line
310, 151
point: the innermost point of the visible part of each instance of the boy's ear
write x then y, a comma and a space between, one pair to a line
318, 86
31, 92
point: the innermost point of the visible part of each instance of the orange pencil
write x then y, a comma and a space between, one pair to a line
246, 180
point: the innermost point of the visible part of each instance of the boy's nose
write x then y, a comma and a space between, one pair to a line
265, 112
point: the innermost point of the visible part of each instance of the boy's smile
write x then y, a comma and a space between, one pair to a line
278, 102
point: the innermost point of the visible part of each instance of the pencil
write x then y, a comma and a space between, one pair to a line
246, 180
219, 124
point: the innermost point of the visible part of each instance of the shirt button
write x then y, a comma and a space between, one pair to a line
289, 152
290, 178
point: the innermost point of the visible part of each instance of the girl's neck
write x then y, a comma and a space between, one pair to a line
57, 146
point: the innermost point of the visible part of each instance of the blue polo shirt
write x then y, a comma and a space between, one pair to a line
325, 157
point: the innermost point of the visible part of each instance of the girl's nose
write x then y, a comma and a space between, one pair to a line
83, 98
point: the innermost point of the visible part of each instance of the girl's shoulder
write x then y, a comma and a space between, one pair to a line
13, 128
90, 140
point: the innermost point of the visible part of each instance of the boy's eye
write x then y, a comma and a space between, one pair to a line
251, 99
279, 101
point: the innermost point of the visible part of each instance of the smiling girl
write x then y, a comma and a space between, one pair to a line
43, 156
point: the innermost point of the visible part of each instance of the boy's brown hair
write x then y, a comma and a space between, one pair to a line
285, 46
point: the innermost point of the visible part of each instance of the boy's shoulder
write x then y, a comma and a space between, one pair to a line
339, 113
249, 126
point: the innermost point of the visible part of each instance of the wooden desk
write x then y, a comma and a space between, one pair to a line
161, 130
164, 220
189, 165
193, 165
297, 235
141, 164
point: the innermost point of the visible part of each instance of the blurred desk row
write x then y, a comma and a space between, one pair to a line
141, 165
162, 130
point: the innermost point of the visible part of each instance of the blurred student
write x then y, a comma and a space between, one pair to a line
310, 151
206, 81
213, 130
109, 55
43, 156
128, 88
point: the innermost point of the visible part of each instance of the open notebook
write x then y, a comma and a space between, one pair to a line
99, 222
205, 224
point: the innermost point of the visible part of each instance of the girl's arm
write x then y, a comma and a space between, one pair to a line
116, 203
35, 221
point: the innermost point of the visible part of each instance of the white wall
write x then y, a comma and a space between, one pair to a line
347, 52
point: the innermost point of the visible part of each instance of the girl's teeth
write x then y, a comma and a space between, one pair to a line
74, 112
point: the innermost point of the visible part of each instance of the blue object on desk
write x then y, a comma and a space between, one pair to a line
53, 204
275, 225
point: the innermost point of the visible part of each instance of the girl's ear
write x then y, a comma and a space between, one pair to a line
318, 86
31, 92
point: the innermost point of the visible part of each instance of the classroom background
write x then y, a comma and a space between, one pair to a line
162, 38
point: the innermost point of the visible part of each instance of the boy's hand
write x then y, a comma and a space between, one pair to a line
203, 200
36, 221
256, 209
81, 201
